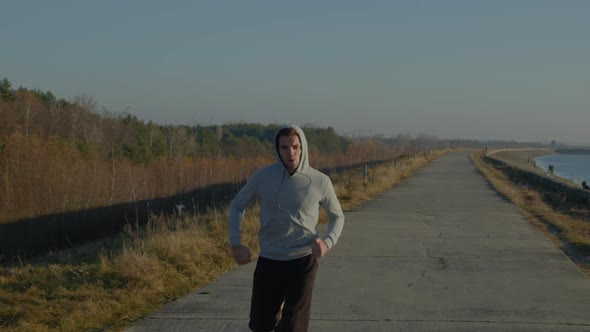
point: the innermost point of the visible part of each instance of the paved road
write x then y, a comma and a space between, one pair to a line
440, 252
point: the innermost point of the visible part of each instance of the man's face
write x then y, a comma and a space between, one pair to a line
290, 151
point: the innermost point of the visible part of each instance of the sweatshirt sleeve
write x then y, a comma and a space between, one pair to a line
236, 210
332, 207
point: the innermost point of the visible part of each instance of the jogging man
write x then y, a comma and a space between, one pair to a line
290, 193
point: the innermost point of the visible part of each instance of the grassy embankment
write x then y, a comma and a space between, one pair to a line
568, 228
107, 285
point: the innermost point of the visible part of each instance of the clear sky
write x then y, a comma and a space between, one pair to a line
453, 69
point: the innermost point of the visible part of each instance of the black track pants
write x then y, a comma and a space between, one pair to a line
276, 282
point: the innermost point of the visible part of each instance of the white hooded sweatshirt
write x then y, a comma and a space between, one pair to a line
289, 208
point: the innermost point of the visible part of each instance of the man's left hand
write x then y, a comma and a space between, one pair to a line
319, 248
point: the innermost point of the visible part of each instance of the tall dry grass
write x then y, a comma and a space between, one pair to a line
569, 231
46, 176
107, 286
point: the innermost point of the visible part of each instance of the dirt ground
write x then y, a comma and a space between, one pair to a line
522, 159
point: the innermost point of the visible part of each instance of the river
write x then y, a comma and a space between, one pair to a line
568, 166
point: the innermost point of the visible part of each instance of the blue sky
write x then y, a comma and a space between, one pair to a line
453, 69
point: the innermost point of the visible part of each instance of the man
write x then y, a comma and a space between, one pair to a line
290, 194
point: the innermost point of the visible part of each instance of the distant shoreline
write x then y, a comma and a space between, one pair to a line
524, 159
573, 151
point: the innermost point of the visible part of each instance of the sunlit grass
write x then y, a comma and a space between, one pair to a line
108, 285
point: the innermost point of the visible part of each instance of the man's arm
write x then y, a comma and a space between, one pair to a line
241, 253
331, 205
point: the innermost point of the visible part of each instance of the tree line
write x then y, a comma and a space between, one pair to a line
30, 112
58, 155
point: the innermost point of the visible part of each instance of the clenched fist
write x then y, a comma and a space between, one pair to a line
242, 254
318, 248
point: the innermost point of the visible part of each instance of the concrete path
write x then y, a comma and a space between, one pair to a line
440, 252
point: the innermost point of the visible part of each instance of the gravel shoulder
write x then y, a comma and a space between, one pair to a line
522, 158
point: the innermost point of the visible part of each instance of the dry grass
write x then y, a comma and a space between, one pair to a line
571, 234
165, 259
39, 177
148, 267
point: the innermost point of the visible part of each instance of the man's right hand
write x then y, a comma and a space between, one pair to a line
242, 254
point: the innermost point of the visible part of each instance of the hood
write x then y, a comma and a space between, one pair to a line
304, 160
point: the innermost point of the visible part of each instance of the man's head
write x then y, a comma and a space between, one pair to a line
289, 147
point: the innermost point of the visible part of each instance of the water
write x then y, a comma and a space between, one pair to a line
575, 167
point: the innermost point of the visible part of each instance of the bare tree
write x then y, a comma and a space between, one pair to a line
27, 105
86, 102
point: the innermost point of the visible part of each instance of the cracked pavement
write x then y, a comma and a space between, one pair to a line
440, 252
